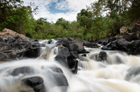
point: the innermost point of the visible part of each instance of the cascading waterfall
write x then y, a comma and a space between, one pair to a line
118, 73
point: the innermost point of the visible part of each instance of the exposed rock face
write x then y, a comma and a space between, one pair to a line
128, 42
14, 45
68, 52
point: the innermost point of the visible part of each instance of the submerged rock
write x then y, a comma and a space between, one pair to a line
36, 83
22, 70
132, 73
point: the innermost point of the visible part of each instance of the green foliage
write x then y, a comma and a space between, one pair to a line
101, 19
15, 16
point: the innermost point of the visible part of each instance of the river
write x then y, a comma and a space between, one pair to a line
120, 72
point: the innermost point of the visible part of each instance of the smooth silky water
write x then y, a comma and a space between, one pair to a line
119, 73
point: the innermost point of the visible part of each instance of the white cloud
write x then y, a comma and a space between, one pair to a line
74, 7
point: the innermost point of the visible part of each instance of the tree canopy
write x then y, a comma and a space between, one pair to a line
100, 19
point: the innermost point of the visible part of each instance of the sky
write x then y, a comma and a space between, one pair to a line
52, 10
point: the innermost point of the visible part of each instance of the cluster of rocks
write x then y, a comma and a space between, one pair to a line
53, 74
128, 42
14, 45
68, 50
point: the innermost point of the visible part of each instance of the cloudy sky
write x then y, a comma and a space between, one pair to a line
54, 9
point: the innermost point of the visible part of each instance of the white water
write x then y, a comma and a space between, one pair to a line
92, 76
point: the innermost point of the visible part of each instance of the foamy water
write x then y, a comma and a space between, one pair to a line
119, 73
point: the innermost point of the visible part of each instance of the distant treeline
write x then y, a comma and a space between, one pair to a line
101, 19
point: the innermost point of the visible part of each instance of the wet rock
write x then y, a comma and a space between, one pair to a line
50, 41
103, 55
73, 47
36, 83
74, 54
3, 56
75, 67
71, 61
79, 43
132, 73
86, 43
39, 88
56, 69
63, 51
56, 78
64, 41
22, 70
62, 60
84, 55
103, 41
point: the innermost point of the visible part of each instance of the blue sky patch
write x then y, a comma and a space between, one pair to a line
54, 10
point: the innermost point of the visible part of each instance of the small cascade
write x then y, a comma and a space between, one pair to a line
98, 71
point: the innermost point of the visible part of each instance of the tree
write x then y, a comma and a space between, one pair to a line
15, 16
62, 22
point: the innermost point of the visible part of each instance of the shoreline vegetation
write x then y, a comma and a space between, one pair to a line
91, 23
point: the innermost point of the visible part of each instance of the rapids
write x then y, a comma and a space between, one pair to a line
120, 72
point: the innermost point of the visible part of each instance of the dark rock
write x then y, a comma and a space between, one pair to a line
32, 53
50, 41
103, 55
73, 47
86, 43
79, 43
23, 70
130, 36
74, 54
129, 30
36, 83
39, 88
15, 45
75, 67
64, 41
71, 61
2, 56
62, 60
94, 45
136, 28
1, 39
33, 81
63, 51
103, 41
84, 55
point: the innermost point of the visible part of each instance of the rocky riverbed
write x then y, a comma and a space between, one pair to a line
55, 61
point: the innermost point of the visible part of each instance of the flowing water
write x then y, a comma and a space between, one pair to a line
119, 73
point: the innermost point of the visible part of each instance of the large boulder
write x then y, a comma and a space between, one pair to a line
14, 45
